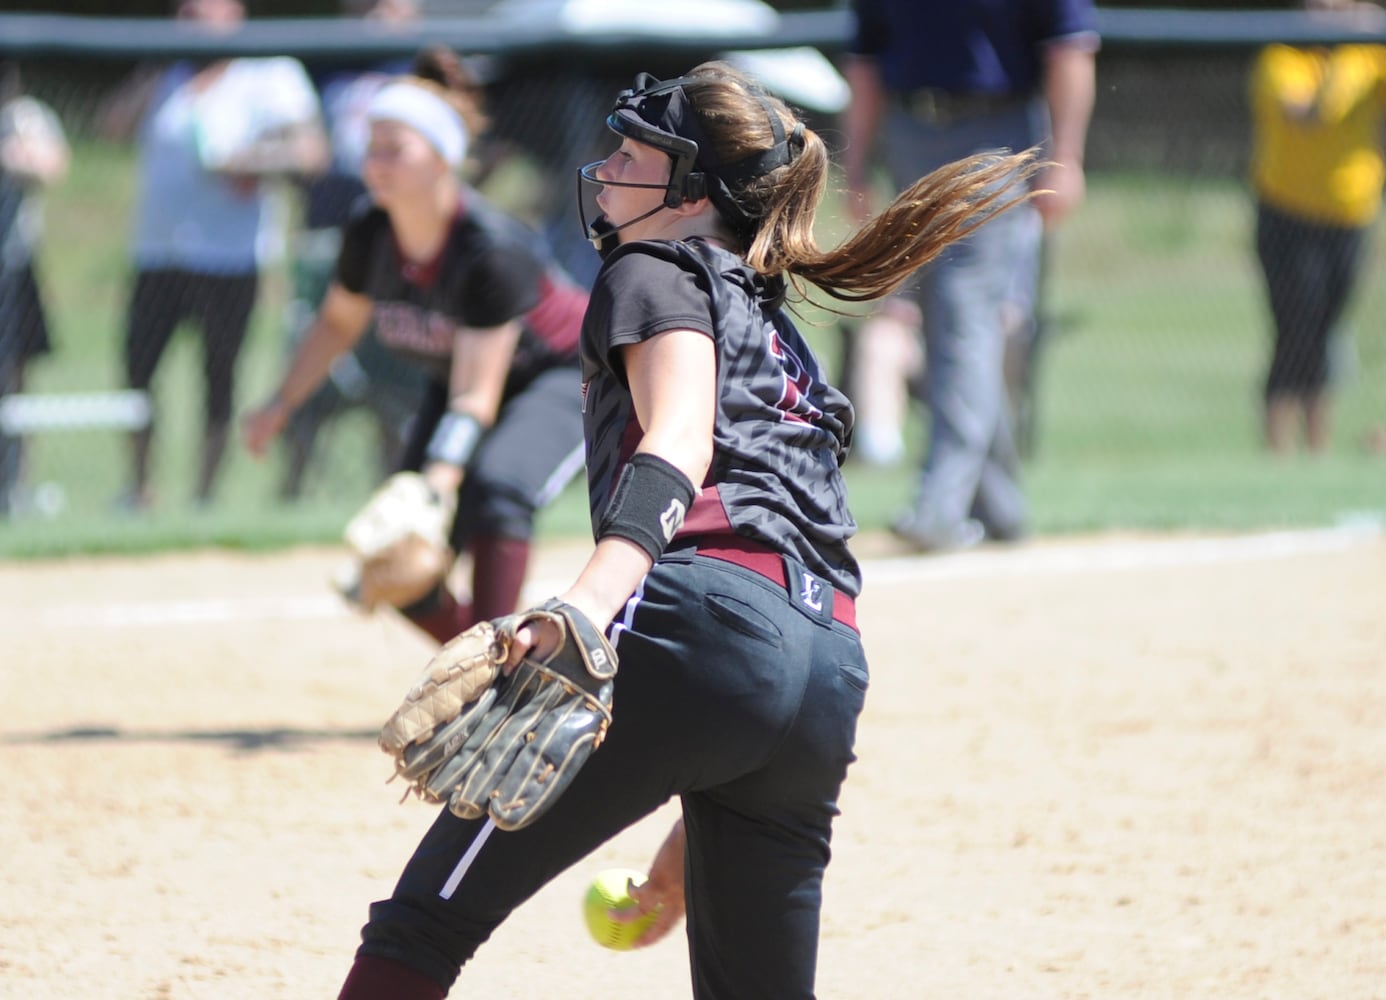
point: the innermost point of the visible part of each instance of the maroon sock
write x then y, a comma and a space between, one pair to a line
374, 978
440, 615
498, 574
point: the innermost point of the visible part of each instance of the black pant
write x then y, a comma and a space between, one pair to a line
1310, 270
11, 445
23, 337
731, 695
219, 304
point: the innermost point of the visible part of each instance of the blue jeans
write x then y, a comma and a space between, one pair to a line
731, 695
971, 467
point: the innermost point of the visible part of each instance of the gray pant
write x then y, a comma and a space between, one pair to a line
971, 466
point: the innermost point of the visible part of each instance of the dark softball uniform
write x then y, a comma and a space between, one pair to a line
491, 270
741, 670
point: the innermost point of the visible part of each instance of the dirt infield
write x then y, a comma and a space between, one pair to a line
1114, 768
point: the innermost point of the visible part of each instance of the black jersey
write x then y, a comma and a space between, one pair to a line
780, 431
492, 269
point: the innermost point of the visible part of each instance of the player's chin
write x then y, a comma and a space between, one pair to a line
383, 193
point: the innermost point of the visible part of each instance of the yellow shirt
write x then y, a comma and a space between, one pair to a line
1318, 116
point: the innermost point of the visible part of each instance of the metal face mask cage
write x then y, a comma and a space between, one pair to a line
657, 113
639, 114
630, 119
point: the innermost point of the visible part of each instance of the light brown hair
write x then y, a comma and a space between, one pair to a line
442, 70
936, 210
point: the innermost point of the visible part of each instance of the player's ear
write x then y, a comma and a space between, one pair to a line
691, 209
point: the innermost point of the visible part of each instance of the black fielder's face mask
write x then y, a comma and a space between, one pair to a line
658, 113
655, 113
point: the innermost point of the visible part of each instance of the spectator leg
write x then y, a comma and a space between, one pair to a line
224, 306
11, 445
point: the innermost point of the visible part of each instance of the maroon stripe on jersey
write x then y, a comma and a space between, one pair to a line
707, 517
421, 275
424, 273
795, 402
631, 435
557, 319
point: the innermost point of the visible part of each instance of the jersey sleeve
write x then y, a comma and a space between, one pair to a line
504, 285
643, 292
1071, 22
354, 256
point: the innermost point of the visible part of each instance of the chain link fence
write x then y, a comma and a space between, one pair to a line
1155, 333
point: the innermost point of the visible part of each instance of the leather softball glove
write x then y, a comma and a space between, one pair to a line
484, 742
399, 544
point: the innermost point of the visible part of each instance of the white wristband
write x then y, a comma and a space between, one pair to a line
455, 439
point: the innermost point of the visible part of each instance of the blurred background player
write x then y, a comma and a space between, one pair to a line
886, 364
210, 137
947, 80
1317, 170
370, 376
471, 297
33, 155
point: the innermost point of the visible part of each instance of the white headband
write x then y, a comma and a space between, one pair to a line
426, 113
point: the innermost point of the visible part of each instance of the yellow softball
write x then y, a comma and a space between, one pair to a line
608, 892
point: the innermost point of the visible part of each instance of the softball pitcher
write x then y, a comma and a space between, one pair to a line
721, 571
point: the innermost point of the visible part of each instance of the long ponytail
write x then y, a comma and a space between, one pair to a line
938, 209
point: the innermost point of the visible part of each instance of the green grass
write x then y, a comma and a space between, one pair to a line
1151, 387
1148, 391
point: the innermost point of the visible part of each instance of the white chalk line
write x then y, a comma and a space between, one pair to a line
1047, 559
1114, 556
216, 611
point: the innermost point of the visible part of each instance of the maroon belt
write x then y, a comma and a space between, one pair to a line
770, 564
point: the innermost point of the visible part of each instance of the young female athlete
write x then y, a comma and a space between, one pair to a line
721, 562
470, 295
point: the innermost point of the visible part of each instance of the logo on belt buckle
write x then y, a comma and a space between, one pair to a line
811, 592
